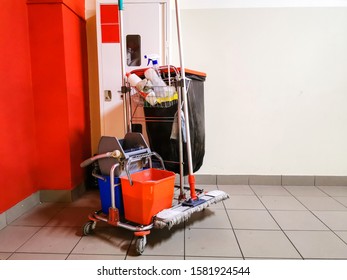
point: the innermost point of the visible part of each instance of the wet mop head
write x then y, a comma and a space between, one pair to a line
183, 211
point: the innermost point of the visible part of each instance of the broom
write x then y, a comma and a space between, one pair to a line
182, 212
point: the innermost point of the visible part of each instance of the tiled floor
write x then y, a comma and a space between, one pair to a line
257, 222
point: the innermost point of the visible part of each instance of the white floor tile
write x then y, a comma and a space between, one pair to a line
335, 220
321, 203
297, 220
304, 191
211, 243
318, 244
342, 235
270, 190
94, 257
252, 219
30, 256
212, 258
236, 189
91, 199
243, 202
209, 218
341, 199
334, 190
162, 242
281, 203
39, 215
71, 217
52, 240
265, 244
107, 241
207, 235
4, 256
154, 257
12, 237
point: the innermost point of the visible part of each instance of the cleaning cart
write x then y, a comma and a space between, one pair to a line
140, 193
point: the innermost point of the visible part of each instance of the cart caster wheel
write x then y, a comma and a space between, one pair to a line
141, 244
89, 227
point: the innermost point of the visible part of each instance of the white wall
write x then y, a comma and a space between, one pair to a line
276, 88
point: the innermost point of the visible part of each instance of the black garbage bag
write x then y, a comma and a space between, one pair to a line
159, 123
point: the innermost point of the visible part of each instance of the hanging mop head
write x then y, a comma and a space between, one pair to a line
182, 212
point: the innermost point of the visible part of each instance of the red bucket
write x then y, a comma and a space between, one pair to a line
151, 192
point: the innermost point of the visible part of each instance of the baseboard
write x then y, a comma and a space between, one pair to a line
62, 195
331, 180
26, 204
19, 209
3, 222
279, 180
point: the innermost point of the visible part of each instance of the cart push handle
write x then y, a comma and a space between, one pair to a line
114, 154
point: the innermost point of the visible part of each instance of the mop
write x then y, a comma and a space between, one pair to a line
196, 203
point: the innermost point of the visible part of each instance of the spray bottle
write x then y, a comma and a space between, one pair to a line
153, 74
153, 59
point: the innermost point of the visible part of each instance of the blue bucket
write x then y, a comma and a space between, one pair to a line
105, 195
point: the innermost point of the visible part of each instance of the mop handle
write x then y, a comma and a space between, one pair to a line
191, 178
127, 127
120, 4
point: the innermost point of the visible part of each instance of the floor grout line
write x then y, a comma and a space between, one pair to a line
231, 224
279, 226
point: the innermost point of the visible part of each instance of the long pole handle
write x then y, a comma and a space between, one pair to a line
120, 5
191, 177
122, 61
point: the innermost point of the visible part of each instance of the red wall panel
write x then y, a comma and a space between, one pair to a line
58, 47
49, 86
17, 122
77, 6
77, 92
44, 118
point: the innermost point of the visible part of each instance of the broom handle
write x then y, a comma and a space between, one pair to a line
122, 61
191, 178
